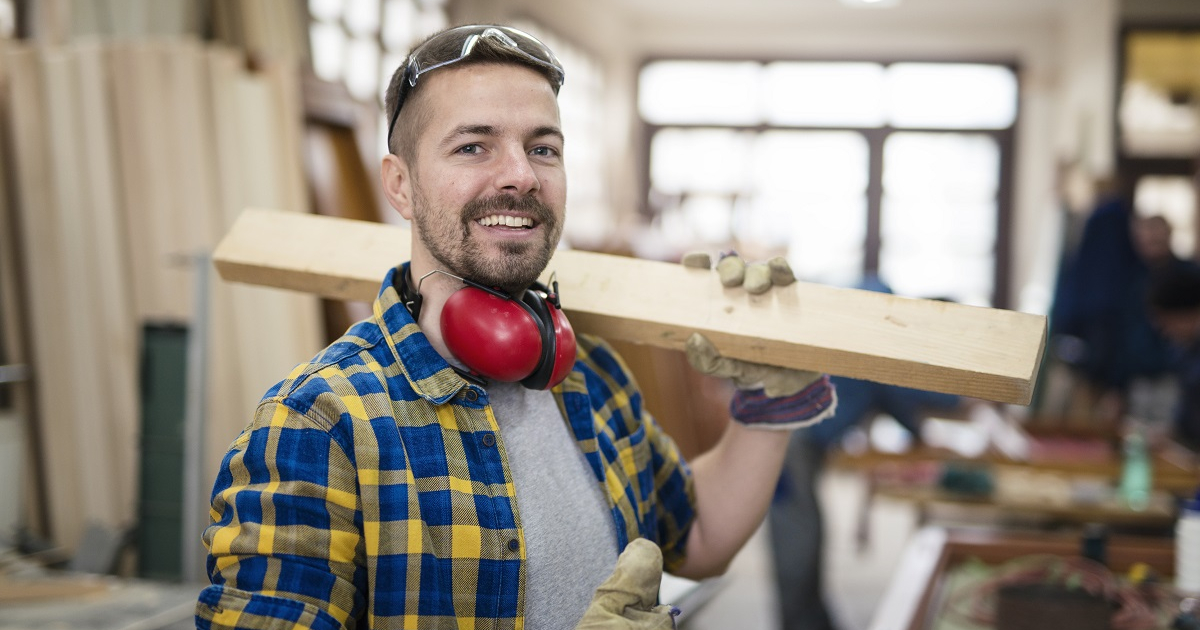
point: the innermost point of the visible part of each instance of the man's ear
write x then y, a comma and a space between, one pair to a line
397, 184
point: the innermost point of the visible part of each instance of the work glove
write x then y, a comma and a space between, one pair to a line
767, 397
627, 599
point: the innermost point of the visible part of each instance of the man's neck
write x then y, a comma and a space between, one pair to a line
435, 289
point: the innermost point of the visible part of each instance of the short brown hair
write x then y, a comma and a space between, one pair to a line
408, 126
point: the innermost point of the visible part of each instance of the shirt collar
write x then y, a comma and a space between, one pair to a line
430, 376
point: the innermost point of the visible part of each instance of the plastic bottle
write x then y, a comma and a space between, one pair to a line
1187, 547
1136, 473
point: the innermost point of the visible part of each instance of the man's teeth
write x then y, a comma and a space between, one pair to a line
507, 221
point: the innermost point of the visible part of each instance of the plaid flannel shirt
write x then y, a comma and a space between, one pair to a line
372, 488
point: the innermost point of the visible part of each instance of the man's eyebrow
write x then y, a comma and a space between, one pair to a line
470, 130
491, 131
548, 130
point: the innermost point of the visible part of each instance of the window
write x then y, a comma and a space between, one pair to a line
846, 168
1158, 124
8, 19
361, 42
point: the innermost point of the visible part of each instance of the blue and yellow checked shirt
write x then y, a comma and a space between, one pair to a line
372, 488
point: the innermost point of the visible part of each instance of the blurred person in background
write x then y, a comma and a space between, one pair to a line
1099, 323
795, 519
1174, 299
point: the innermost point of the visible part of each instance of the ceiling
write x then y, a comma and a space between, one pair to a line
763, 11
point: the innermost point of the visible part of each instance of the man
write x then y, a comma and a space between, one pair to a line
392, 482
1174, 298
796, 529
1098, 323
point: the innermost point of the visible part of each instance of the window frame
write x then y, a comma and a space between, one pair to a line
876, 137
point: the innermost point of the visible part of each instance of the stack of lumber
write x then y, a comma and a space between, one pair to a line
124, 162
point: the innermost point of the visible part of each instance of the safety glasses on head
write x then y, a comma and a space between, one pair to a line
425, 57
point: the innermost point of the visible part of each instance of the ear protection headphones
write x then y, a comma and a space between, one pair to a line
502, 337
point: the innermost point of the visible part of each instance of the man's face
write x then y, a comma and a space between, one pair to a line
488, 184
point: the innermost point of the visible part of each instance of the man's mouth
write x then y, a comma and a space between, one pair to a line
506, 220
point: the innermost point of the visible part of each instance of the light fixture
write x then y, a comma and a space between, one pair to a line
870, 4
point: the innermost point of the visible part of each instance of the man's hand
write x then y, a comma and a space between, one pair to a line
626, 600
768, 397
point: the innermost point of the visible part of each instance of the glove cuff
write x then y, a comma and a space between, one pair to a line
810, 405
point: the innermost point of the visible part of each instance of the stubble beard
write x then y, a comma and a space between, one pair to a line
518, 264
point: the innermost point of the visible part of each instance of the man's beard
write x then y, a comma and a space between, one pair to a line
519, 263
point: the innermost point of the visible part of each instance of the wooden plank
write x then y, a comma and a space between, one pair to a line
986, 353
43, 265
106, 496
14, 327
111, 328
258, 335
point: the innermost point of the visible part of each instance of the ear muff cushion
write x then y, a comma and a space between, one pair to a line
497, 338
558, 341
564, 347
540, 377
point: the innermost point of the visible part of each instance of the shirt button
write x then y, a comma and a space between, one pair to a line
514, 545
472, 395
489, 439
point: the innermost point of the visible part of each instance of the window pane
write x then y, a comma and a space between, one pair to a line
362, 17
328, 50
709, 216
825, 236
1157, 112
810, 160
951, 96
325, 10
809, 197
699, 160
362, 68
700, 92
824, 94
939, 214
399, 25
8, 18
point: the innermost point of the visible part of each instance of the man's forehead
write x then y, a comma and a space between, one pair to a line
456, 82
487, 92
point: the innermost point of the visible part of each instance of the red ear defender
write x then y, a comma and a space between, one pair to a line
505, 339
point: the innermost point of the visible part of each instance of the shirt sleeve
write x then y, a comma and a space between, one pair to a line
284, 537
675, 507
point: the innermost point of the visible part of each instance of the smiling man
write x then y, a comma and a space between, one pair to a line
461, 459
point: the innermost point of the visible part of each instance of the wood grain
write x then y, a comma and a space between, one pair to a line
986, 353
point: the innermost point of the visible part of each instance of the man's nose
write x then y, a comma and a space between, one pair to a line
516, 174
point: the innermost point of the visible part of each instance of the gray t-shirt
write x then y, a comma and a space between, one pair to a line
570, 537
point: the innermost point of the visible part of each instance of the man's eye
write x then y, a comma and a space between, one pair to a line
544, 152
470, 149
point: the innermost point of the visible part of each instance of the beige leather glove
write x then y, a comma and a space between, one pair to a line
626, 600
756, 278
776, 382
769, 397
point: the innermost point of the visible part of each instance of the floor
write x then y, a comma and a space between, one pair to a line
856, 579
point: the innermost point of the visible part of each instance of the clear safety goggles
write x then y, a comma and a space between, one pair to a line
423, 59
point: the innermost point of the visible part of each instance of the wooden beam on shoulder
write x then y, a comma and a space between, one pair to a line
985, 353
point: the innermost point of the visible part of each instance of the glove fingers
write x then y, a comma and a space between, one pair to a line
635, 580
781, 271
781, 382
758, 278
731, 270
702, 355
697, 260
